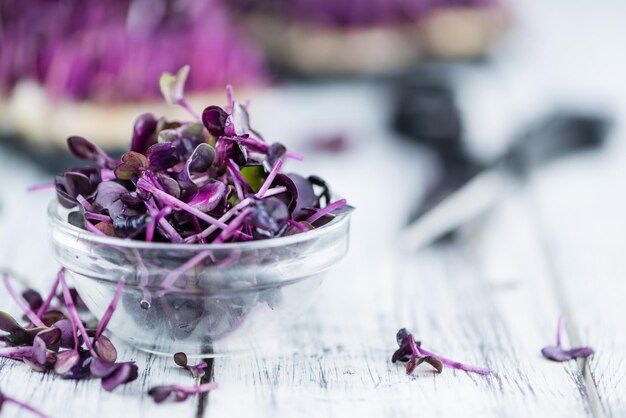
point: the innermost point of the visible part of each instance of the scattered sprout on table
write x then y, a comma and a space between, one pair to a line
196, 371
56, 338
557, 353
413, 354
179, 393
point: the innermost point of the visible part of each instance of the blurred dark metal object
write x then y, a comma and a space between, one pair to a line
554, 136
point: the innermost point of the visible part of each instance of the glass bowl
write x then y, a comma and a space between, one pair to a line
205, 300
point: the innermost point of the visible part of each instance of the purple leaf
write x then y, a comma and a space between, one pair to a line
144, 133
201, 158
269, 218
86, 150
133, 163
214, 119
67, 337
177, 392
51, 338
123, 373
162, 156
65, 361
557, 353
40, 353
208, 197
105, 349
240, 119
101, 368
303, 195
33, 298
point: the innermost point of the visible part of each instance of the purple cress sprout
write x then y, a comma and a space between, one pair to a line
413, 354
557, 353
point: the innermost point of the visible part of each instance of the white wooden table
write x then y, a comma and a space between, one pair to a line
492, 299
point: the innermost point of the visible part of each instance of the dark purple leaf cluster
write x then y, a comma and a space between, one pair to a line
56, 338
413, 354
213, 180
557, 353
115, 50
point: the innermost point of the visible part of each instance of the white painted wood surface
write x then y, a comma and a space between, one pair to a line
490, 300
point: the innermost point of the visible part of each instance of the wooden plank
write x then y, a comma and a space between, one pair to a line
581, 206
488, 302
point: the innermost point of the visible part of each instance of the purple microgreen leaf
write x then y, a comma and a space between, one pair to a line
65, 361
437, 365
101, 368
130, 226
67, 335
123, 373
214, 120
208, 197
269, 218
105, 349
144, 133
180, 359
162, 156
39, 351
410, 351
557, 353
87, 150
173, 85
132, 163
33, 298
196, 371
240, 119
51, 338
201, 158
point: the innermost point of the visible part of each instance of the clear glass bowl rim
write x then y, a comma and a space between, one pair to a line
56, 221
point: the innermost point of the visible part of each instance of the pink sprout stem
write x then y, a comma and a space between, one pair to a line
110, 309
156, 219
42, 186
294, 156
24, 406
107, 174
44, 307
22, 304
84, 203
169, 230
325, 210
270, 178
451, 363
244, 203
16, 353
183, 103
233, 226
171, 278
97, 217
297, 224
559, 330
71, 308
91, 228
179, 203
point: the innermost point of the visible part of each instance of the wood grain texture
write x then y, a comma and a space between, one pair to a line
581, 209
